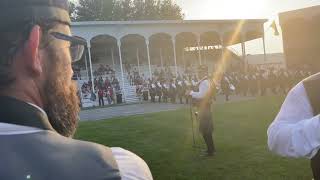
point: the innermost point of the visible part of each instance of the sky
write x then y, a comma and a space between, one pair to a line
245, 9
235, 9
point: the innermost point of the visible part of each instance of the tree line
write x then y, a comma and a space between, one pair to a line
125, 10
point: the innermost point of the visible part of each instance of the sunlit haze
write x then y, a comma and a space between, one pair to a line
245, 9
235, 9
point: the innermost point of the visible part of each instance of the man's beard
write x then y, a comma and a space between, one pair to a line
62, 102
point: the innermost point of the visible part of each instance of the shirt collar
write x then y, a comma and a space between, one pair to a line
12, 129
14, 111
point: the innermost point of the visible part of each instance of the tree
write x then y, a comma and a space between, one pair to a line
72, 11
107, 10
89, 10
123, 10
170, 11
138, 12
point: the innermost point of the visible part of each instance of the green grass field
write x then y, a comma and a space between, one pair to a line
164, 141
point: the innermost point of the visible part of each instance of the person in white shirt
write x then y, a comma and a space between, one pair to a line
203, 99
295, 132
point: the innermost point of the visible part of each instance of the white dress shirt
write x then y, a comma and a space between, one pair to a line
295, 132
203, 89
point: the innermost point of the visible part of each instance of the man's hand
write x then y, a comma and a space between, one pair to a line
188, 92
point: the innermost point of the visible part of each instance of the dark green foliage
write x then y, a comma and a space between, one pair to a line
124, 10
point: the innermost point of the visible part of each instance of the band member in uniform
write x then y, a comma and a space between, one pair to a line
165, 92
152, 90
173, 91
203, 100
159, 91
187, 87
145, 92
194, 83
180, 90
225, 86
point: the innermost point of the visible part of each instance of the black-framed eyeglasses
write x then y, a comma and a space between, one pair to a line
77, 45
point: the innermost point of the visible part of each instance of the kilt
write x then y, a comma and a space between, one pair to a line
205, 120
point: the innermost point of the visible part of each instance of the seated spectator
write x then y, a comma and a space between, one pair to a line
107, 83
115, 81
100, 83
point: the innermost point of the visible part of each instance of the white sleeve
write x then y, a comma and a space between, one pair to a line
295, 132
131, 166
203, 89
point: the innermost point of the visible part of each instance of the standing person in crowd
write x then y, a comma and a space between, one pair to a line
173, 91
145, 92
203, 100
263, 82
165, 92
225, 86
115, 82
109, 95
39, 105
187, 87
107, 82
139, 92
295, 130
153, 91
159, 91
100, 83
273, 81
245, 84
100, 97
181, 91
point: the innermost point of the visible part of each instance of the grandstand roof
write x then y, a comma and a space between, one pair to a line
86, 23
247, 29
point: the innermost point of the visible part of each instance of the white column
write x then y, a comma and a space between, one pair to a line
222, 46
149, 62
161, 58
121, 68
138, 59
90, 64
205, 57
175, 54
86, 63
264, 47
199, 50
183, 59
244, 53
112, 56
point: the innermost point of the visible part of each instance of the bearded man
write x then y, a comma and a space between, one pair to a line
39, 103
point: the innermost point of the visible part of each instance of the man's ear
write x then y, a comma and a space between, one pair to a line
31, 51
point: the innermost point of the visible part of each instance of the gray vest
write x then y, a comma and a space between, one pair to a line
46, 154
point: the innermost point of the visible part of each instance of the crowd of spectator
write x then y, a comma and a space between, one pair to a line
103, 70
106, 85
165, 87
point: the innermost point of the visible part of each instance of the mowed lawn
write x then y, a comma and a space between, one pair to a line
164, 141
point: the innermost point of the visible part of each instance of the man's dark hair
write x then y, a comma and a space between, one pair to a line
12, 39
